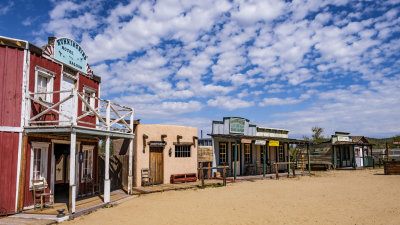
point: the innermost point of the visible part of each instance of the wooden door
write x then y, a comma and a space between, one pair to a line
66, 108
239, 157
156, 165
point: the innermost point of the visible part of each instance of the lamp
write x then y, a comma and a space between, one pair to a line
170, 152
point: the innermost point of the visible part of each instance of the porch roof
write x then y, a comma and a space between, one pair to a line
350, 143
83, 132
238, 137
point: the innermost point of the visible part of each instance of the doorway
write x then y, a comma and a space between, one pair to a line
61, 173
239, 157
157, 165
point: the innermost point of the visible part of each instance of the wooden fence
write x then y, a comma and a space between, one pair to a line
119, 166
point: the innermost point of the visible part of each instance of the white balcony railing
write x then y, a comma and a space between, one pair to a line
107, 115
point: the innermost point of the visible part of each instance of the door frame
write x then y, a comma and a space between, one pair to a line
53, 163
239, 155
162, 155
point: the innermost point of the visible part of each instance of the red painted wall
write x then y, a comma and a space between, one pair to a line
8, 170
53, 67
85, 81
11, 69
28, 196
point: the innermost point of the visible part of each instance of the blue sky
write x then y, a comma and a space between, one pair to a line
281, 64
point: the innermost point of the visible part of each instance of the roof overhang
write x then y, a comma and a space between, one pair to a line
83, 132
239, 137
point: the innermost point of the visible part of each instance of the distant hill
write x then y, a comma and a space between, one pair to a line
381, 142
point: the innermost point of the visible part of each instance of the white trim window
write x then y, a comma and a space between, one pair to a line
87, 164
39, 160
89, 95
44, 83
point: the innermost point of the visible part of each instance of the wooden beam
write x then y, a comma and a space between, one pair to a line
22, 177
60, 138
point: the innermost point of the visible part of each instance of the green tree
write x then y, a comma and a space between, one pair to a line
317, 136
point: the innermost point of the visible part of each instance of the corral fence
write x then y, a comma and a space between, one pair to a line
380, 155
119, 167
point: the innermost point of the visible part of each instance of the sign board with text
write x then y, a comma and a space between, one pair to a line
237, 125
273, 143
70, 53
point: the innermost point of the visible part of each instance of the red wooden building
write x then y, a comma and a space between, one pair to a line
50, 110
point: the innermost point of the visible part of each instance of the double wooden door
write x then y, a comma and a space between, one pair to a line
156, 165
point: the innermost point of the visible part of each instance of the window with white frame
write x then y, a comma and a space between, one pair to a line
281, 154
223, 155
44, 84
87, 164
89, 96
39, 160
182, 151
247, 153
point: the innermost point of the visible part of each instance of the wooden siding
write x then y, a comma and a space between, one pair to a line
11, 69
85, 81
50, 66
8, 170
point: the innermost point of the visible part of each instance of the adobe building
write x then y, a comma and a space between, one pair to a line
162, 150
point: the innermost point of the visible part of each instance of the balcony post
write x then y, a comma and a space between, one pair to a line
130, 154
107, 161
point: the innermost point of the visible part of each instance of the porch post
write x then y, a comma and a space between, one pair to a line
265, 155
309, 158
130, 156
354, 157
107, 161
234, 165
334, 157
288, 155
72, 175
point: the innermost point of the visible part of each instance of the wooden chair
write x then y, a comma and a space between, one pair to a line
146, 177
92, 185
40, 194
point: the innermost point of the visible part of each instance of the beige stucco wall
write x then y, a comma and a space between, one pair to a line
172, 165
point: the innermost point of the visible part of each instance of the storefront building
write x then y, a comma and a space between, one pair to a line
242, 146
51, 123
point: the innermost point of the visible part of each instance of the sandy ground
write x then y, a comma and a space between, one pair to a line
336, 197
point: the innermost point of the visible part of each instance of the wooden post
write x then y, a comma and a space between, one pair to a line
264, 163
334, 156
387, 152
354, 157
130, 177
234, 166
202, 177
201, 171
309, 158
288, 156
22, 177
209, 171
72, 175
107, 158
276, 171
224, 176
294, 171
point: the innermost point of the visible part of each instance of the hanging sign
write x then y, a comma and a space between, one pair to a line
70, 53
157, 143
273, 143
236, 125
260, 142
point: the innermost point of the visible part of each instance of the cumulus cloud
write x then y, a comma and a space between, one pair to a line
192, 56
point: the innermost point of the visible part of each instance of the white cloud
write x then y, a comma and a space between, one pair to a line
229, 103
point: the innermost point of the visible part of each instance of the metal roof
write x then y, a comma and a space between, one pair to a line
237, 137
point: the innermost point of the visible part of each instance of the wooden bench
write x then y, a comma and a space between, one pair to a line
185, 177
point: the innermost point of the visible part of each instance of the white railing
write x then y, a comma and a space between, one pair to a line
107, 115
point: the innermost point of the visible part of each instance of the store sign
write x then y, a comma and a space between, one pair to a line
246, 141
70, 53
157, 143
343, 138
273, 143
260, 142
236, 125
